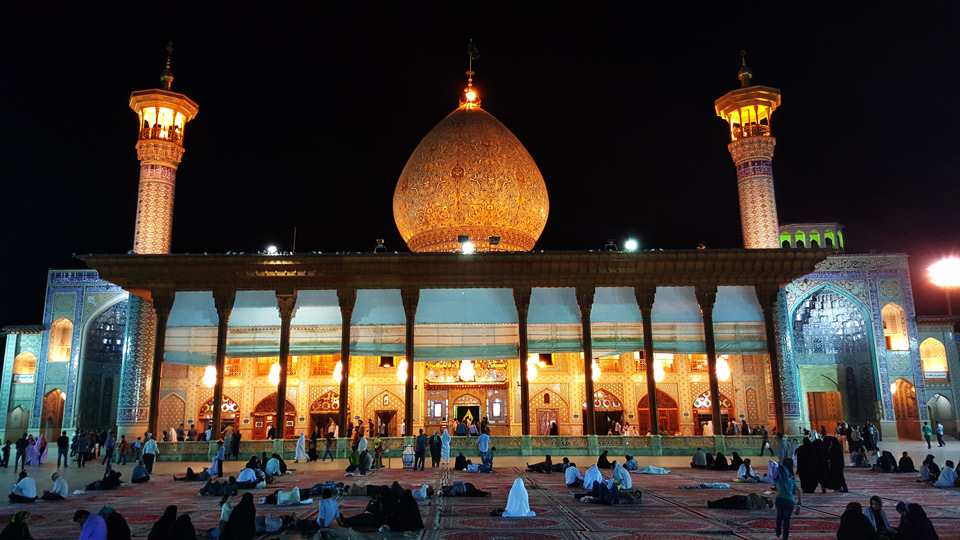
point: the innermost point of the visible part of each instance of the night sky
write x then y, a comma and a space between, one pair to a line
308, 115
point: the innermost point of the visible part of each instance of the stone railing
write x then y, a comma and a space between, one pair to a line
533, 445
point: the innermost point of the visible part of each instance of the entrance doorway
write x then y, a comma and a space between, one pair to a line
826, 409
325, 408
386, 423
53, 414
668, 414
264, 418
546, 418
469, 412
703, 412
907, 410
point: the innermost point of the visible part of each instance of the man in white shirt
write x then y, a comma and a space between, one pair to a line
948, 476
59, 491
150, 452
329, 509
940, 434
25, 490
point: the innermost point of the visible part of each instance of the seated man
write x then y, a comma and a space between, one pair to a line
487, 465
25, 490
929, 471
139, 474
886, 463
472, 467
699, 460
572, 477
463, 489
631, 463
248, 478
59, 491
746, 472
858, 458
219, 489
329, 509
354, 460
273, 466
742, 502
906, 464
948, 476
545, 466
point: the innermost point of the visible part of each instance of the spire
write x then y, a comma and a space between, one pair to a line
166, 76
470, 98
745, 74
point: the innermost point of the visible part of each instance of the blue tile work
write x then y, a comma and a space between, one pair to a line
134, 398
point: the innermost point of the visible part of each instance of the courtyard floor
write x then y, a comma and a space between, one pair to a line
667, 512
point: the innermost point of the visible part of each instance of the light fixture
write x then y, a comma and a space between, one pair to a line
946, 273
209, 376
274, 376
610, 245
532, 362
471, 95
467, 248
723, 368
271, 249
893, 388
338, 371
63, 395
467, 372
631, 245
402, 370
658, 372
596, 370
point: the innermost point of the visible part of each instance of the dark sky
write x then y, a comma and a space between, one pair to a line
307, 116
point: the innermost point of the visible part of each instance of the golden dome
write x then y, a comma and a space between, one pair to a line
470, 176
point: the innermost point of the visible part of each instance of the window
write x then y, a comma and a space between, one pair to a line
698, 362
666, 361
933, 355
321, 365
61, 339
895, 327
24, 367
234, 367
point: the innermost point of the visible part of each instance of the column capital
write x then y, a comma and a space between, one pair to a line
521, 297
347, 298
767, 295
162, 300
585, 295
411, 299
223, 300
286, 303
645, 295
706, 297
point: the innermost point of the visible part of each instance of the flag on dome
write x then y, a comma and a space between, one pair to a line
472, 51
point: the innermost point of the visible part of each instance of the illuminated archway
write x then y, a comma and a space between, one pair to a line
668, 414
933, 356
906, 410
264, 417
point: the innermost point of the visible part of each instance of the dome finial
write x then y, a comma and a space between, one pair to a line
166, 76
745, 74
471, 100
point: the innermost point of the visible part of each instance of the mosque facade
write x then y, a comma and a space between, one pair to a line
790, 332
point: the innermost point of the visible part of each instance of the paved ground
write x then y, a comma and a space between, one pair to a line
667, 512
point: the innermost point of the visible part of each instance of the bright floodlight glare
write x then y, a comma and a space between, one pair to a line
467, 248
945, 272
272, 249
631, 245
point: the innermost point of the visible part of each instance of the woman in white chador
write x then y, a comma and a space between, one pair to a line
301, 452
591, 477
518, 502
445, 447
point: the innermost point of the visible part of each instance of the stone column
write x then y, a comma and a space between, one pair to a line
645, 296
411, 300
162, 303
753, 157
768, 294
223, 300
133, 410
585, 302
286, 303
521, 297
707, 297
347, 298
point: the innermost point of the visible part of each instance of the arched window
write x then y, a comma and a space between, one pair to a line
61, 339
24, 367
933, 355
895, 327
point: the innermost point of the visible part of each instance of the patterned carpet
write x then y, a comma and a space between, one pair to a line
667, 512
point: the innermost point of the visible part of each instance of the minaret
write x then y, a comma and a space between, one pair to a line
748, 110
163, 116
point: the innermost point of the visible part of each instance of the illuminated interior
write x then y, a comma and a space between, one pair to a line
162, 123
933, 355
61, 339
24, 367
749, 122
895, 328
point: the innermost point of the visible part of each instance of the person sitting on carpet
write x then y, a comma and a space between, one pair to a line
561, 465
746, 472
854, 525
182, 527
772, 469
329, 510
59, 492
354, 462
720, 462
886, 463
111, 480
929, 471
486, 466
407, 515
545, 466
273, 466
242, 523
735, 462
139, 475
622, 477
25, 490
518, 502
914, 523
460, 464
161, 529
17, 529
630, 463
742, 502
710, 461
650, 469
117, 528
603, 462
230, 487
948, 476
906, 464
591, 477
858, 458
93, 527
250, 476
462, 489
572, 477
699, 460
878, 518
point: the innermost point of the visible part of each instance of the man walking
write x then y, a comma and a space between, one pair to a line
109, 445
21, 456
82, 446
63, 450
220, 456
940, 434
420, 451
765, 443
150, 452
136, 446
122, 451
927, 431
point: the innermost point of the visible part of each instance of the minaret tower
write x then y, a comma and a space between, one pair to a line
748, 110
163, 116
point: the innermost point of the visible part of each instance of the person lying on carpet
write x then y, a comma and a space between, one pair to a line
460, 464
929, 470
603, 462
422, 493
699, 460
286, 498
329, 511
193, 477
111, 480
914, 523
463, 489
25, 490
139, 475
630, 463
545, 466
878, 518
650, 469
518, 501
610, 492
59, 492
708, 485
735, 462
388, 512
854, 525
742, 502
906, 464
17, 529
720, 462
230, 487
948, 476
267, 524
572, 477
472, 467
746, 472
886, 463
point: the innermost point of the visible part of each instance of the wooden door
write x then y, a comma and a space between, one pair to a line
546, 417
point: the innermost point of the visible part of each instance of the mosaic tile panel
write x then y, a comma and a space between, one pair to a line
758, 205
134, 398
154, 224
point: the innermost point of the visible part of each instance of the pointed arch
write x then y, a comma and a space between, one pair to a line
61, 340
668, 413
173, 410
24, 367
933, 357
895, 334
51, 416
264, 414
906, 409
